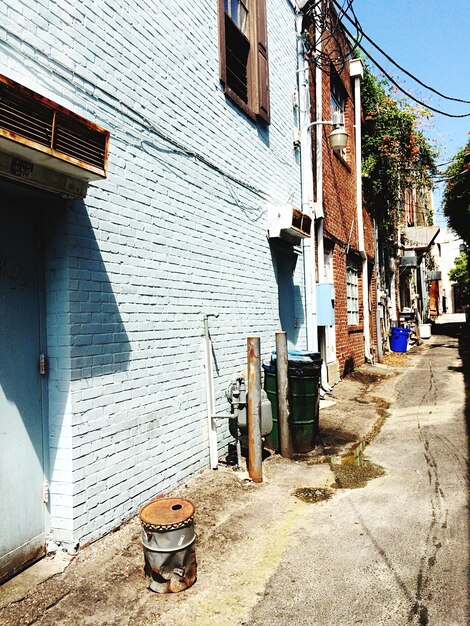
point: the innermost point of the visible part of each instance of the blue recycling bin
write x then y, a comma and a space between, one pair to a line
399, 339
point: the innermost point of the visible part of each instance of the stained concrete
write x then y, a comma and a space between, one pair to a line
394, 552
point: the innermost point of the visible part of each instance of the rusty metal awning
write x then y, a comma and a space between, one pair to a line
420, 237
40, 132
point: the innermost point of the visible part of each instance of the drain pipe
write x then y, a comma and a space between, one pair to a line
211, 423
378, 285
356, 71
212, 416
306, 176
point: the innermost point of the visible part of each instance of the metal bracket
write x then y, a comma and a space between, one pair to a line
42, 364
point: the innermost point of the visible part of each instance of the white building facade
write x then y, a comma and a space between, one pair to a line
124, 276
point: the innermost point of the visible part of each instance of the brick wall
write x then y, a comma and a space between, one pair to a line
340, 222
177, 230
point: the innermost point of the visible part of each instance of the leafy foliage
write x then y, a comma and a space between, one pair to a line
460, 273
457, 194
395, 152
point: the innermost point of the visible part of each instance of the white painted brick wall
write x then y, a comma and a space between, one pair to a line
165, 239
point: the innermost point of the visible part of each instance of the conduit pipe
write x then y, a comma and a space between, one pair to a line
306, 180
212, 416
356, 72
211, 423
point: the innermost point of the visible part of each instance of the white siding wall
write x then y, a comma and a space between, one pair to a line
166, 238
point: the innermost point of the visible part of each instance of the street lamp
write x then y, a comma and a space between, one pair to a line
338, 138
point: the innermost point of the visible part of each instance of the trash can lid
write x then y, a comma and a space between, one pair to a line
167, 513
299, 356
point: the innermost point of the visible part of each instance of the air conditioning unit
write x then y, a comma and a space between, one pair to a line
288, 222
410, 261
40, 134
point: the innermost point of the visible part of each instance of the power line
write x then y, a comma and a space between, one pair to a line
398, 86
389, 58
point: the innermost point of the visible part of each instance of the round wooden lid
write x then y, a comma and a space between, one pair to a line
167, 512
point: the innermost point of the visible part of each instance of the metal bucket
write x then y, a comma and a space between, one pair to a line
168, 542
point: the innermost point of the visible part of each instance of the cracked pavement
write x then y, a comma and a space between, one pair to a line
393, 552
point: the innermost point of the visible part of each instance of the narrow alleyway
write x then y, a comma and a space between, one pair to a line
394, 552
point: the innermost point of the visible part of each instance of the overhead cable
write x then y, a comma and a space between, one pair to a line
389, 58
398, 86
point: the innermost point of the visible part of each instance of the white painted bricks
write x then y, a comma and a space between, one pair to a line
165, 239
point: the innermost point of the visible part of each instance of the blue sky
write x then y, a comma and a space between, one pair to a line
431, 39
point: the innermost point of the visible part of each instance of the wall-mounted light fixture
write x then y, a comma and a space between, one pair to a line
338, 137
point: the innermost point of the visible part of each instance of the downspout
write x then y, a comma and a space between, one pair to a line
356, 72
378, 291
306, 176
319, 213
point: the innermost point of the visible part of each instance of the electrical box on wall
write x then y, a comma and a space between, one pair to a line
325, 304
288, 222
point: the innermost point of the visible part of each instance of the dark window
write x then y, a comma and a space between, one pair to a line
338, 94
244, 55
338, 101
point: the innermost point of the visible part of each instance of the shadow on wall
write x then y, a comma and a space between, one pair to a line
86, 334
291, 312
54, 282
99, 344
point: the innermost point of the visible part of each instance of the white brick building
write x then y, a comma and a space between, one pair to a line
176, 230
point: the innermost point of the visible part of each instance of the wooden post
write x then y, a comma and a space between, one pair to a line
285, 438
255, 447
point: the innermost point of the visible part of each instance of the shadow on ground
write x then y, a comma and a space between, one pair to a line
460, 331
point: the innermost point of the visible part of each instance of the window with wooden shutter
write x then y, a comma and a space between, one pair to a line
243, 51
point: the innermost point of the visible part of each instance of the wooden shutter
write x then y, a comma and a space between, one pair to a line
222, 48
263, 111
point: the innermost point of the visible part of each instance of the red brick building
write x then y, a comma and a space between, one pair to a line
344, 233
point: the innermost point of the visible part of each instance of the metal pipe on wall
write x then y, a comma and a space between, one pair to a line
211, 423
306, 174
285, 438
356, 72
255, 446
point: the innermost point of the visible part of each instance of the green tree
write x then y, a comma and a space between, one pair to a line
456, 202
395, 153
460, 273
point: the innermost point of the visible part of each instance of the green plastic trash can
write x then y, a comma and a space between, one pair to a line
304, 403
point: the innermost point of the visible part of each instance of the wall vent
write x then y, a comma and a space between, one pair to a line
288, 222
42, 126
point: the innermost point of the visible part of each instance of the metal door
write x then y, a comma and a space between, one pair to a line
22, 508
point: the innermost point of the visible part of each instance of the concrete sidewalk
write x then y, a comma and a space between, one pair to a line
243, 531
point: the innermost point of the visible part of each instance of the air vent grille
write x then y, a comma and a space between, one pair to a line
78, 141
29, 119
25, 117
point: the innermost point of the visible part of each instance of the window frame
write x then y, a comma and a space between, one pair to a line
352, 292
338, 102
257, 106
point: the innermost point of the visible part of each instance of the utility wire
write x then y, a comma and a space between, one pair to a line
389, 58
398, 86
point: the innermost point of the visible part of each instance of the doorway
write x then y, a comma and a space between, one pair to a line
22, 386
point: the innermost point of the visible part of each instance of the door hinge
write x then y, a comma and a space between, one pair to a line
45, 492
42, 364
